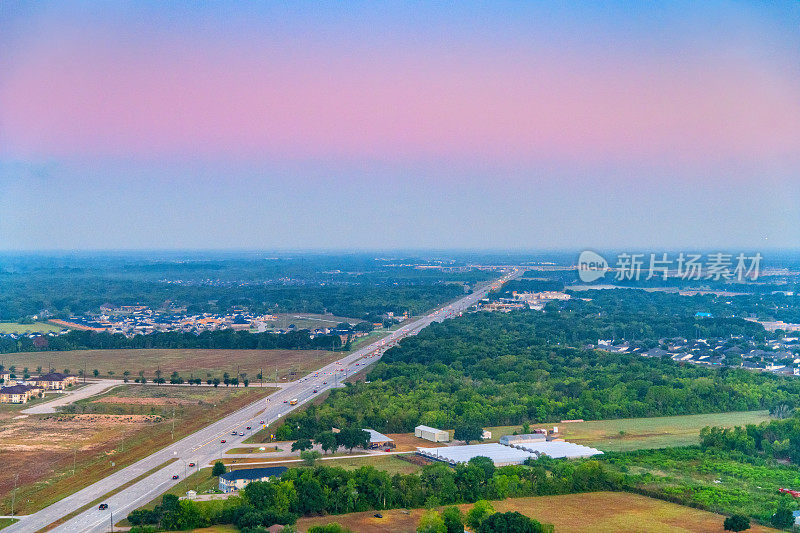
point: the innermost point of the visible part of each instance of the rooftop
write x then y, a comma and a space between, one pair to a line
253, 473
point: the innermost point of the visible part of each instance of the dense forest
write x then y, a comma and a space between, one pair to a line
776, 439
501, 369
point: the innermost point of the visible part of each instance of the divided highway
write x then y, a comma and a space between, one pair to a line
206, 445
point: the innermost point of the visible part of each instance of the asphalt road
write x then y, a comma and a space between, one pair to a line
205, 445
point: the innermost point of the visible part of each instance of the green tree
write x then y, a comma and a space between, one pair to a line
218, 469
352, 437
327, 441
95, 372
478, 513
431, 522
453, 520
309, 457
302, 444
468, 433
783, 518
736, 522
510, 522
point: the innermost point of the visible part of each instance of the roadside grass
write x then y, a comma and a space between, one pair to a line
37, 327
253, 449
289, 364
5, 522
201, 482
600, 512
99, 500
627, 434
104, 454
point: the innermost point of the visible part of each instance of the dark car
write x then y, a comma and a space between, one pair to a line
248, 427
103, 506
261, 422
223, 441
175, 476
378, 515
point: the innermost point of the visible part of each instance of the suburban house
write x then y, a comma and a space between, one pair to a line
239, 479
54, 381
5, 376
19, 393
379, 440
431, 434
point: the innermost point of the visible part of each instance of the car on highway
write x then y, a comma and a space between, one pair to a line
324, 382
175, 476
315, 391
248, 427
223, 441
103, 506
191, 465
233, 432
261, 422
241, 433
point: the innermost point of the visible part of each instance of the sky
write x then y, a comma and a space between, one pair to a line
525, 125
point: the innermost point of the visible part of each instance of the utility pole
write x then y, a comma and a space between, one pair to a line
173, 422
14, 493
262, 376
74, 458
112, 521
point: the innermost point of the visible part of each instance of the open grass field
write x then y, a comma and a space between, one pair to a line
36, 327
627, 434
389, 463
187, 362
310, 321
599, 512
119, 427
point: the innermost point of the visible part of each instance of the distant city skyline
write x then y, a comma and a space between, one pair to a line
143, 125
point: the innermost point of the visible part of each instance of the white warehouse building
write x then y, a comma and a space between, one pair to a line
503, 455
431, 434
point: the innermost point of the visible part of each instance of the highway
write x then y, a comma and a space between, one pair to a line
205, 445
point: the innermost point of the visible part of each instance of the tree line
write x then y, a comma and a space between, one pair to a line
333, 490
221, 339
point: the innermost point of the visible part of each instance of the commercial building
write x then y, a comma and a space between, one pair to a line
499, 454
379, 440
503, 455
431, 434
239, 479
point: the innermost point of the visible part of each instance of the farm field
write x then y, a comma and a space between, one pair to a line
187, 362
627, 434
36, 327
119, 427
600, 512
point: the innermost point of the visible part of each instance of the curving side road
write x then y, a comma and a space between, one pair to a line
205, 445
